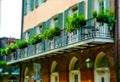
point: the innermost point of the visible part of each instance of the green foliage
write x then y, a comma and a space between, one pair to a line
104, 16
3, 64
49, 34
22, 43
74, 22
36, 39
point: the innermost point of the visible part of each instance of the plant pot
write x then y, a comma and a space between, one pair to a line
57, 33
83, 23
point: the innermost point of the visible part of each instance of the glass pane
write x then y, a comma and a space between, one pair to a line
56, 78
76, 78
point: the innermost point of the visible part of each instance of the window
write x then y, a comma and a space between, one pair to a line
28, 6
73, 10
27, 35
76, 78
54, 21
39, 29
101, 5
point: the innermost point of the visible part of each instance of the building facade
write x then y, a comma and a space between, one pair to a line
11, 73
84, 55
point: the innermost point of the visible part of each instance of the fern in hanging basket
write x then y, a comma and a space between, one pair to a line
36, 39
22, 43
74, 22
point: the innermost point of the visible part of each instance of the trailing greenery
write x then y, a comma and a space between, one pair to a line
74, 22
36, 39
104, 16
3, 64
22, 43
49, 34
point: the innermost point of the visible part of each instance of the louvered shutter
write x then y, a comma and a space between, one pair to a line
25, 6
65, 33
31, 5
81, 10
60, 23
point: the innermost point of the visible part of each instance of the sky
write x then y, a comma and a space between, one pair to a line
11, 18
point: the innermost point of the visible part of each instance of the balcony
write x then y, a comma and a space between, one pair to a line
85, 37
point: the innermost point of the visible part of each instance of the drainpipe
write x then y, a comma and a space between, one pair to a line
22, 18
116, 56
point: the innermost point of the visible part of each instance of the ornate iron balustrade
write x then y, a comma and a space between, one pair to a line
87, 32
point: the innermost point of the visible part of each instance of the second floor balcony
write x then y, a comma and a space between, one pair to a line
85, 37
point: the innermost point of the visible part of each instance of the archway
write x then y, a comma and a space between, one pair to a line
101, 71
37, 72
26, 78
54, 72
74, 70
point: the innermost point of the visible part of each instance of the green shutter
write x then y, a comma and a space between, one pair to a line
31, 33
47, 42
65, 33
81, 7
60, 23
43, 42
23, 36
43, 27
48, 24
36, 3
35, 30
24, 5
90, 9
31, 5
107, 4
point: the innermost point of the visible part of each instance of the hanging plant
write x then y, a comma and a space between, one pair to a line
36, 39
49, 34
74, 22
104, 16
22, 43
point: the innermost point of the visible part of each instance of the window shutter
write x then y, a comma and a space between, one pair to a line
31, 5
35, 30
107, 4
25, 10
48, 23
43, 42
81, 8
36, 3
31, 33
65, 33
60, 23
23, 36
43, 27
47, 42
90, 9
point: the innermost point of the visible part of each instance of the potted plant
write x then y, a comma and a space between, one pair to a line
49, 34
36, 39
104, 16
57, 30
74, 22
22, 43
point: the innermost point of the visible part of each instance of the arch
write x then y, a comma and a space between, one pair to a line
74, 70
26, 71
101, 71
54, 72
54, 67
101, 60
72, 62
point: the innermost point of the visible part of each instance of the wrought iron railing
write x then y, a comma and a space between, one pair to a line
84, 33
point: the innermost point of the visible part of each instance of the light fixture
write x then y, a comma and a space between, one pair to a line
89, 62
